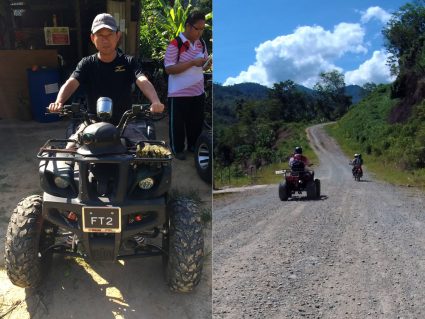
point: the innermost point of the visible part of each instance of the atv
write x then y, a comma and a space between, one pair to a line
106, 198
297, 181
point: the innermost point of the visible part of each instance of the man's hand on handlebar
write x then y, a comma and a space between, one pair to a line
157, 107
55, 107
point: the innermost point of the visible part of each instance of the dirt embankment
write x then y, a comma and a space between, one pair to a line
77, 289
357, 252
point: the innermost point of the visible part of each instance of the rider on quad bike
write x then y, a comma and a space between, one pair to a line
298, 178
107, 198
298, 160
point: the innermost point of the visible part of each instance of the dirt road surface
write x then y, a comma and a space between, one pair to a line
358, 252
74, 288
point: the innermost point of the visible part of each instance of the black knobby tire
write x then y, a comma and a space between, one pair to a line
311, 190
203, 156
184, 244
283, 191
317, 182
27, 237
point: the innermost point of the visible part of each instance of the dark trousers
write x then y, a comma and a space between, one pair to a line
186, 116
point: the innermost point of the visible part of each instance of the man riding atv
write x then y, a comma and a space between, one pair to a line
108, 198
108, 72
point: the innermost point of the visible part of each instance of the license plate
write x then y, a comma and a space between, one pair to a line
101, 219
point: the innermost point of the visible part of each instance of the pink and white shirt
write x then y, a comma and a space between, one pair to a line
191, 81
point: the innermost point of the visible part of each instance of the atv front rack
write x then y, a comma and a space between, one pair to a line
53, 147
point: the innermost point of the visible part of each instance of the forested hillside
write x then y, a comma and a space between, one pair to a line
255, 125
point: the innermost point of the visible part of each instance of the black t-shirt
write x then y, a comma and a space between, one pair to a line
113, 80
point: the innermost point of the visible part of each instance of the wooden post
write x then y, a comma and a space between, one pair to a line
78, 28
7, 24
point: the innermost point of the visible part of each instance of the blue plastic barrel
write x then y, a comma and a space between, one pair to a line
43, 88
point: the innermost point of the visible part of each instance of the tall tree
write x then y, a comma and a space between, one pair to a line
405, 41
332, 100
294, 105
404, 36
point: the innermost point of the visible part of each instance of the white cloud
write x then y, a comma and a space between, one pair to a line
302, 55
375, 13
373, 70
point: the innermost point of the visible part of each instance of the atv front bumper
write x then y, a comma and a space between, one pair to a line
135, 217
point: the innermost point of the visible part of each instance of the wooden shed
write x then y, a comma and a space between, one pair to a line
52, 34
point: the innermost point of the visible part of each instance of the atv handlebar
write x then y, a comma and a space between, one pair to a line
68, 110
77, 111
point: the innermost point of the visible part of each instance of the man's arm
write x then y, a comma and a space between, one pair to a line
183, 66
65, 92
149, 91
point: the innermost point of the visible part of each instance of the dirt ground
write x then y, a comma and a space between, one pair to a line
79, 289
357, 252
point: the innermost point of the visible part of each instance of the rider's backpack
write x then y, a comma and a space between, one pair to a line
297, 165
357, 162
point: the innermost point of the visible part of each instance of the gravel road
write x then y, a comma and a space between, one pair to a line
358, 252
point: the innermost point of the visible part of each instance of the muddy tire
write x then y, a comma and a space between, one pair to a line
283, 191
317, 182
203, 156
311, 190
27, 237
184, 244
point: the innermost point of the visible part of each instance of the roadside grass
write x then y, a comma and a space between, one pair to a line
266, 175
393, 152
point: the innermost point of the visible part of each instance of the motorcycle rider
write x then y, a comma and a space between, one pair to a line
108, 73
357, 162
297, 157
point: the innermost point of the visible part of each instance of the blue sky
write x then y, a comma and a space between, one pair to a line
275, 40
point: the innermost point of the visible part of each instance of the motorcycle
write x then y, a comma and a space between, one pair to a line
357, 172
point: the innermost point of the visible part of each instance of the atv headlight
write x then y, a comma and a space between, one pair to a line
146, 183
61, 181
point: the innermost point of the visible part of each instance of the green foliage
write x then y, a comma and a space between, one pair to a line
404, 36
369, 87
256, 164
405, 41
333, 102
160, 22
289, 103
